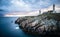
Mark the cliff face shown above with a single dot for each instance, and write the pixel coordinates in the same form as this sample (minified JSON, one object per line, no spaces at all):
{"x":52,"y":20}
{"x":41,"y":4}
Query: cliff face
{"x":41,"y":24}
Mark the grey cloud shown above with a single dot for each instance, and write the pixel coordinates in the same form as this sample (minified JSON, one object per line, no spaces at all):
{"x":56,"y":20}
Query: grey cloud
{"x":5,"y":2}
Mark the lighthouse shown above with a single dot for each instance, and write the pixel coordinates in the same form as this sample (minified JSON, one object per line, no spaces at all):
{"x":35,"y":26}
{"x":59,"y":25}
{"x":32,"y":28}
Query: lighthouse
{"x":39,"y":11}
{"x":53,"y":8}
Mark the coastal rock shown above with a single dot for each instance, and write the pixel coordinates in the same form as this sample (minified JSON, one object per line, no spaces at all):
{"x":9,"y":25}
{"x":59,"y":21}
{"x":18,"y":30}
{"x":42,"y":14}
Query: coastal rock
{"x":41,"y":24}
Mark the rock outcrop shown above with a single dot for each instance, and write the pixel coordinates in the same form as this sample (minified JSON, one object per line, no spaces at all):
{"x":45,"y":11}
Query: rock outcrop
{"x":46,"y":23}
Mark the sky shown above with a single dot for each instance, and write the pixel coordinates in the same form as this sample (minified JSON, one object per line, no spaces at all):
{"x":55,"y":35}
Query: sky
{"x":26,"y":5}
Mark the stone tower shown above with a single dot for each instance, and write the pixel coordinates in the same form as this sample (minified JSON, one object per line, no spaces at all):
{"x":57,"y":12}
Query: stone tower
{"x":39,"y":11}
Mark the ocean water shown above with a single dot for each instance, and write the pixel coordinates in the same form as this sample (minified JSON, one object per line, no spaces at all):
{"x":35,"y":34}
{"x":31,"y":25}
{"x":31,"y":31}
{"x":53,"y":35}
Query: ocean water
{"x":8,"y":28}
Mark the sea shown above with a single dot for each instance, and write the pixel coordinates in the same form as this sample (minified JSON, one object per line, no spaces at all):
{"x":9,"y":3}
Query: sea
{"x":8,"y":28}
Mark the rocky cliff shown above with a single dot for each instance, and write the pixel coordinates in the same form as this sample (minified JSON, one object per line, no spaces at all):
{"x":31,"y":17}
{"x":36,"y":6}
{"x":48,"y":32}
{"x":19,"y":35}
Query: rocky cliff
{"x":46,"y":23}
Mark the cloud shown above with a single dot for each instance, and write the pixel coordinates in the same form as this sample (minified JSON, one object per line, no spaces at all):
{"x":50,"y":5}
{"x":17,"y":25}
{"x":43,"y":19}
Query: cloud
{"x":57,"y":8}
{"x":18,"y":5}
{"x":22,"y":14}
{"x":5,"y":2}
{"x":25,"y":5}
